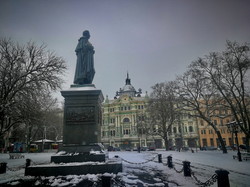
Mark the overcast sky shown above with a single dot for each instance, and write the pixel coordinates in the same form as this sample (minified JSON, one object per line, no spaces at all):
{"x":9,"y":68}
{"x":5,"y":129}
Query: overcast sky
{"x":154,"y":40}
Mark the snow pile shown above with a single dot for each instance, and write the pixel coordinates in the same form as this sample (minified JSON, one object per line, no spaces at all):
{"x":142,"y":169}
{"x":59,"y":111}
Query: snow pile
{"x":92,"y":152}
{"x":152,"y":173}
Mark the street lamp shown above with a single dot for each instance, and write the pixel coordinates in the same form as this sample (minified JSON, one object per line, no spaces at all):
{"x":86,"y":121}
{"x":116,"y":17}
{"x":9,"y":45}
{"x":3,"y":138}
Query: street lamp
{"x":233,"y":127}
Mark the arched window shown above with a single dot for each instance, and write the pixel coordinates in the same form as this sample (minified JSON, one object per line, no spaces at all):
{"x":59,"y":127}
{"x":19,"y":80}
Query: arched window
{"x":126,"y":120}
{"x":190,"y":128}
{"x":175,"y":130}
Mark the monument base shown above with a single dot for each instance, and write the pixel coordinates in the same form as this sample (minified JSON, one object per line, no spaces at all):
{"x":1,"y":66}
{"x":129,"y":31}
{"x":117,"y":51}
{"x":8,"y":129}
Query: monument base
{"x":72,"y":148}
{"x":82,"y":157}
{"x":80,"y":153}
{"x":74,"y":169}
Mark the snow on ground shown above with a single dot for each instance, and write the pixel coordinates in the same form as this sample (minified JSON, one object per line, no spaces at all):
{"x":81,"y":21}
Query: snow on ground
{"x":138,"y":169}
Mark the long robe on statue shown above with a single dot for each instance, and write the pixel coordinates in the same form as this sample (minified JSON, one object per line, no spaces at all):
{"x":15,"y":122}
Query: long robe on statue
{"x":84,"y":73}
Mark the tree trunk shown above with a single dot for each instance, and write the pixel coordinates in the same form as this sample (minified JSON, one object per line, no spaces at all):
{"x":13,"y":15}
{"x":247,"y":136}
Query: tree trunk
{"x":28,"y":138}
{"x":223,"y":146}
{"x":166,"y":144}
{"x":247,"y":143}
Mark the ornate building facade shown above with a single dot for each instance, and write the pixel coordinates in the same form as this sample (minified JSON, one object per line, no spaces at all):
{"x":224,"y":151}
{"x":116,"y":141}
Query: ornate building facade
{"x":123,"y":118}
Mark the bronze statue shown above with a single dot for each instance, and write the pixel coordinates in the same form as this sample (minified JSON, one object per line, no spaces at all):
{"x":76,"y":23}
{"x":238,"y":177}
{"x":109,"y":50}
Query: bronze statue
{"x":84,"y":73}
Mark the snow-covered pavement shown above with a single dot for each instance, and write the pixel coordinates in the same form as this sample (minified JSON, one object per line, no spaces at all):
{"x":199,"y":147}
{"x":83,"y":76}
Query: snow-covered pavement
{"x":138,"y":170}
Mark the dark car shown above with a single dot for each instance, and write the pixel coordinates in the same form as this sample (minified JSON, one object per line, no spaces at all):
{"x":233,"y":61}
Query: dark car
{"x":135,"y":149}
{"x":185,"y":148}
{"x":144,"y":148}
{"x":229,"y":148}
{"x":151,"y":148}
{"x":243,"y":146}
{"x":110,"y":148}
{"x":116,"y":149}
{"x":128,"y":149}
{"x":211,"y":148}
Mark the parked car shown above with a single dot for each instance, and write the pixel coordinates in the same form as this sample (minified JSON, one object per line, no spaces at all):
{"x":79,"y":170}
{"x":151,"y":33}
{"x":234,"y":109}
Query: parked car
{"x":151,"y":148}
{"x":116,"y":149}
{"x":144,"y":148}
{"x":211,"y":148}
{"x":110,"y":148}
{"x":243,"y":146}
{"x":229,"y":148}
{"x":127,"y":149}
{"x":135,"y":149}
{"x":185,"y":148}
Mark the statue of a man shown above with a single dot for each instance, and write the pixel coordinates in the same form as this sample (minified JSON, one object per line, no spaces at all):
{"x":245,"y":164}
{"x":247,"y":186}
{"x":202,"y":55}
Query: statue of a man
{"x":85,"y":71}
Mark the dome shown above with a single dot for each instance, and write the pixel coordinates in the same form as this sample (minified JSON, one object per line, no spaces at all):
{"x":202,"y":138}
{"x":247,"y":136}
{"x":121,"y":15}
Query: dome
{"x":128,"y":88}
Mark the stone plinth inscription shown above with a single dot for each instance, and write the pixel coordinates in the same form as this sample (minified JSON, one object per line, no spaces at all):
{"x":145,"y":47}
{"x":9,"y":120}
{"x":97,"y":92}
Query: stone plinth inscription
{"x":80,"y":114}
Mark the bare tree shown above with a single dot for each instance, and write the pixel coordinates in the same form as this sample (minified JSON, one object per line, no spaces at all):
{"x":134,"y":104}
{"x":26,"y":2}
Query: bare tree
{"x":198,"y":94}
{"x":229,"y":72}
{"x":40,"y":112}
{"x":162,"y":109}
{"x":24,"y":69}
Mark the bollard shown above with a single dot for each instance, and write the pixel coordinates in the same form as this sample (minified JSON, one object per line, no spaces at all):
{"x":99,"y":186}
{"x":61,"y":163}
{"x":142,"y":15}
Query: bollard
{"x":186,"y":168}
{"x":170,"y":163}
{"x":106,"y":181}
{"x":222,"y":179}
{"x":28,"y":161}
{"x":3,"y":166}
{"x":159,"y":158}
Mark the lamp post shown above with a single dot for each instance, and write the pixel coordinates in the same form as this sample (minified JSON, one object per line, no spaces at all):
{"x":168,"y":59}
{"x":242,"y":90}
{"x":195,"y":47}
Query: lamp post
{"x":233,"y":127}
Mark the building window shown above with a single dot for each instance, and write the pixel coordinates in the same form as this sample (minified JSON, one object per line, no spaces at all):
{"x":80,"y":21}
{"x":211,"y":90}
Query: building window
{"x":174,"y":130}
{"x":204,"y":142}
{"x":190,"y":128}
{"x":211,"y":141}
{"x":210,"y":131}
{"x":230,"y":141}
{"x":112,"y":133}
{"x":202,"y":123}
{"x":203,"y":131}
{"x":111,"y":110}
{"x":126,"y":131}
{"x":126,"y":120}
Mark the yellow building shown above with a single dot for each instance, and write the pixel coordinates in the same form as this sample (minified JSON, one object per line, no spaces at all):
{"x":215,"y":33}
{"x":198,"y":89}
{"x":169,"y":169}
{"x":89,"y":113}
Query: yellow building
{"x":208,"y":136}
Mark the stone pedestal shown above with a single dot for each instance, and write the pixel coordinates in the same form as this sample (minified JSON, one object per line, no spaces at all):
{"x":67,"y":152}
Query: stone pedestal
{"x":82,"y":116}
{"x":82,"y":123}
{"x":81,"y":137}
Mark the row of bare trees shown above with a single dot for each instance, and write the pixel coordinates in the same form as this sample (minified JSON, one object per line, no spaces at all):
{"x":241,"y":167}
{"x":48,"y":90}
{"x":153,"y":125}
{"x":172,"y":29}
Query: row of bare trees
{"x":28,"y":76}
{"x":218,"y":81}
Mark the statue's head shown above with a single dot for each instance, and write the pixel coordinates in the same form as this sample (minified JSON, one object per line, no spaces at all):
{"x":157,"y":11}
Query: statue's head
{"x":86,"y":34}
